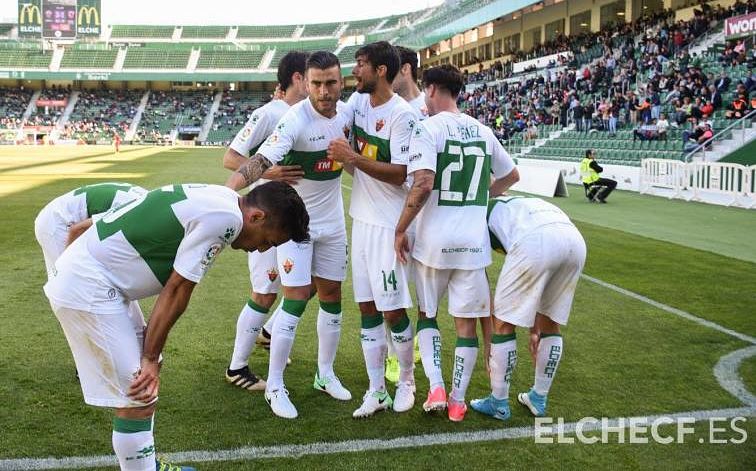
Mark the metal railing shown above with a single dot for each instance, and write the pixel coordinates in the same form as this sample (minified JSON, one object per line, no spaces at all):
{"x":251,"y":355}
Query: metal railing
{"x":718,"y":136}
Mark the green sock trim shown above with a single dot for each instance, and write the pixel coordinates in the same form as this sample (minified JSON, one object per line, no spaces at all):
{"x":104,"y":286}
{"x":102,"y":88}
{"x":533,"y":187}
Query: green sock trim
{"x":427,"y":324}
{"x":295,"y":307}
{"x":331,"y":308}
{"x":256,"y":307}
{"x":372,"y":320}
{"x":543,"y":336}
{"x":400,"y":326}
{"x":467,"y":342}
{"x":497,"y":338}
{"x":122,"y":425}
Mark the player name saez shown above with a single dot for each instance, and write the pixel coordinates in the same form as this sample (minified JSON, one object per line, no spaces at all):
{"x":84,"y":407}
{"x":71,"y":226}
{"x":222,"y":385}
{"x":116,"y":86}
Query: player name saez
{"x":463,"y":132}
{"x":462,"y":250}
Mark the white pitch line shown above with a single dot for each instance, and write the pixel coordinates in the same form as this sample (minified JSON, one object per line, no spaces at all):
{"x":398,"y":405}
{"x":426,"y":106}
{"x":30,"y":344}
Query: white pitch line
{"x":672,"y":310}
{"x":351,"y":446}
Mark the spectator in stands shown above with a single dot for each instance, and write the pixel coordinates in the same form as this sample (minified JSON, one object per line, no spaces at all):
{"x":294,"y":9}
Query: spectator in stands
{"x":662,"y":125}
{"x":723,"y":82}
{"x":577,"y":114}
{"x":597,"y":189}
{"x":647,"y":131}
{"x":644,"y":110}
{"x":696,"y":130}
{"x":738,"y":108}
{"x":703,"y":138}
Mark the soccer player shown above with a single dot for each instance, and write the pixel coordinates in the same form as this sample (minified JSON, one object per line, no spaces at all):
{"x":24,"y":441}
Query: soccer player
{"x":263,"y":271}
{"x":545,"y":256}
{"x":117,"y":142}
{"x":452,"y":157}
{"x":405,"y":82}
{"x":383,"y":124}
{"x":161,"y":243}
{"x":68,"y":211}
{"x":301,"y":138}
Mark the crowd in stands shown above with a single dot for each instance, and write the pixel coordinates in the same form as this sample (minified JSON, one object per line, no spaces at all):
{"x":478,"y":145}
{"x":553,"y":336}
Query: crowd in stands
{"x":99,"y":114}
{"x":13,"y":103}
{"x":645,"y":68}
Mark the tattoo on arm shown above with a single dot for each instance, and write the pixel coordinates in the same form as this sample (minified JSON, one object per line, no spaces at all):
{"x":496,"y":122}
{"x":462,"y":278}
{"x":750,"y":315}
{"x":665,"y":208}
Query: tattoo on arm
{"x":253,"y":169}
{"x":421,"y":189}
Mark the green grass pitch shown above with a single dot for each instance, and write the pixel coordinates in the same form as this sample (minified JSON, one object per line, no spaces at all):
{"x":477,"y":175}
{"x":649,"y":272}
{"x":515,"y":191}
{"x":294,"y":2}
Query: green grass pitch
{"x":623,"y":357}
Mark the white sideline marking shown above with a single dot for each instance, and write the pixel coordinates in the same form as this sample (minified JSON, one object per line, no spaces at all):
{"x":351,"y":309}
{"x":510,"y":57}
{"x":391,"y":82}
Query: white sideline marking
{"x":672,"y":310}
{"x":726,"y":372}
{"x":350,"y":446}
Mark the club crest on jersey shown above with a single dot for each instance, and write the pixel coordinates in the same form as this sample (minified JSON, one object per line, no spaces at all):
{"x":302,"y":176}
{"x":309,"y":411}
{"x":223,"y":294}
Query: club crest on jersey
{"x":273,"y":274}
{"x":288,"y":265}
{"x":379,"y":124}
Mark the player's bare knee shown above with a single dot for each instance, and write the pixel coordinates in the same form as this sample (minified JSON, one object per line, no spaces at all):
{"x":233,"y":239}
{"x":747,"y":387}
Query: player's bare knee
{"x":136,"y":412}
{"x":328,"y":290}
{"x":368,"y":308}
{"x":545,"y":325}
{"x":264,"y":300}
{"x":466,"y":327}
{"x":299,"y":293}
{"x":393,"y":317}
{"x":502,"y":328}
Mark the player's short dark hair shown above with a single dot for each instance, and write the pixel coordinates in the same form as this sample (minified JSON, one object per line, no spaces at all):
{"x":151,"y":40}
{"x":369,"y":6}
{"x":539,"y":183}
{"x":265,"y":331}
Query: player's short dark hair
{"x":291,"y":63}
{"x":588,"y":152}
{"x":285,"y":208}
{"x":382,"y":53}
{"x":408,"y":56}
{"x":444,"y":76}
{"x":323,"y":60}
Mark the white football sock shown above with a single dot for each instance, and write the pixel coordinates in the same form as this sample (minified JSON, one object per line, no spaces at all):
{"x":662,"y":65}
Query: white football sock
{"x":373,"y":340}
{"x":272,"y":318}
{"x":282,"y":339}
{"x":429,"y":339}
{"x":248,"y":326}
{"x":329,"y":332}
{"x":503,"y":361}
{"x":465,"y":355}
{"x":389,"y":345}
{"x":134,"y":444}
{"x":402,"y":341}
{"x":547,"y":361}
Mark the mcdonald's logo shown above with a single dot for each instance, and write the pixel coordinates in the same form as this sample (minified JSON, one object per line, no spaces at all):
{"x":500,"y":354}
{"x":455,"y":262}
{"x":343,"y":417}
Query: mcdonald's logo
{"x":88,"y":12}
{"x":30,"y":10}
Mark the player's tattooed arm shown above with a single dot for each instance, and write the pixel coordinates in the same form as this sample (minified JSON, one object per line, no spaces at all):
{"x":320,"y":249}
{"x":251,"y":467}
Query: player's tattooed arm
{"x":249,"y":173}
{"x":422,"y":186}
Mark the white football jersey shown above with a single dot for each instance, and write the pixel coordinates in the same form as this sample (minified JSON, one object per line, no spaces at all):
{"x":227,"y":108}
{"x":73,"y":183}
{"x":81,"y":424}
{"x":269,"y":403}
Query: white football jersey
{"x":510,"y":218}
{"x":418,"y":104}
{"x":82,"y":203}
{"x":301,"y":138}
{"x":131,"y":251}
{"x":259,"y":126}
{"x":383,"y":134}
{"x":451,"y":229}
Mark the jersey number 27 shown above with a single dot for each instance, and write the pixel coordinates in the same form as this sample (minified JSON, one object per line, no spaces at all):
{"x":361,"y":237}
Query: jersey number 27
{"x":463,"y":174}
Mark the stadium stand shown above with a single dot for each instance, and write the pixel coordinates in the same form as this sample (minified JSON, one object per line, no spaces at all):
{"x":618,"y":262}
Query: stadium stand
{"x":13,"y":103}
{"x":167,"y":110}
{"x":75,"y":58}
{"x":321,"y":29}
{"x":6,"y":28}
{"x":229,"y":59}
{"x":233,"y":113}
{"x":362,"y":27}
{"x":99,"y":114}
{"x":143,"y":58}
{"x":259,"y":32}
{"x":23,"y":54}
{"x":142,"y":31}
{"x":49,"y":116}
{"x":204,"y":32}
{"x":346,"y":55}
{"x":307,"y":46}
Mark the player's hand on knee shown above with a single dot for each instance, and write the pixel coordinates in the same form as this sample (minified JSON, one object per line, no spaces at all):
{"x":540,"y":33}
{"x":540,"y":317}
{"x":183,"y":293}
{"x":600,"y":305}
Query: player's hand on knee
{"x":147,"y":382}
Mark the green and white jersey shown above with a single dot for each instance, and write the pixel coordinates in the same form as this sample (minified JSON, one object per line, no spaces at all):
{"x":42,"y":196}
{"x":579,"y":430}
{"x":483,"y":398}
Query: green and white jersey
{"x":82,"y":203}
{"x":511,"y":218}
{"x":418,"y":104}
{"x":380,"y":133}
{"x":301,"y":138}
{"x":131,"y":251}
{"x":451,"y":229}
{"x":259,"y":126}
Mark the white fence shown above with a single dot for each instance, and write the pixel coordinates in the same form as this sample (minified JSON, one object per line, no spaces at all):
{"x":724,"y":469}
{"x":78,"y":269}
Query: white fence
{"x":731,"y":184}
